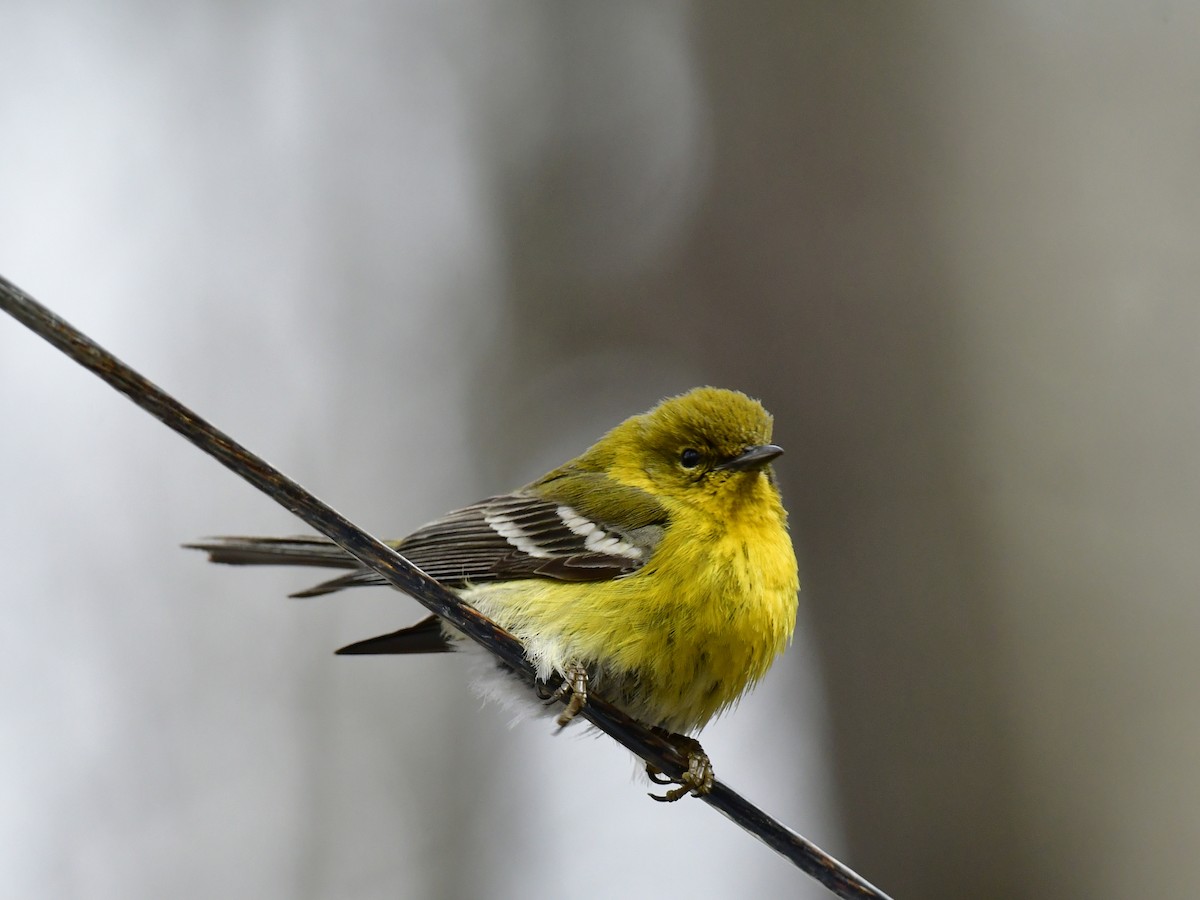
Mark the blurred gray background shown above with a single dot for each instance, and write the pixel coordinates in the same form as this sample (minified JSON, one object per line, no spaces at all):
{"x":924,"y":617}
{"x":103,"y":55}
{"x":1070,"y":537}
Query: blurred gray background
{"x":415,"y":253}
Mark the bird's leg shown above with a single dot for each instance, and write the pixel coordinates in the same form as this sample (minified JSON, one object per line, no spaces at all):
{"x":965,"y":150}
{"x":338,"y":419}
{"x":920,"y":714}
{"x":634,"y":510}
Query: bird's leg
{"x":697,"y":780}
{"x":575,"y":683}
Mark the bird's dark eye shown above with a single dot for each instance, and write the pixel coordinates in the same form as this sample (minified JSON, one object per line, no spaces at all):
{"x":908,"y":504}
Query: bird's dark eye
{"x":689,"y":458}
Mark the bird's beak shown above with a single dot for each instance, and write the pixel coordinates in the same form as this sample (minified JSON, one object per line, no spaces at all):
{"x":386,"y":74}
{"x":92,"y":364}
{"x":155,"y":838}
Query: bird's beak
{"x":751,"y":458}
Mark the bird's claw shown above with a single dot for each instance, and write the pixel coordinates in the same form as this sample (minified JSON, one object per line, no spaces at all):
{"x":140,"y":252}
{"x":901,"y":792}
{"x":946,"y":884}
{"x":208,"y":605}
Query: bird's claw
{"x":575,"y":683}
{"x":697,"y":780}
{"x":655,"y":774}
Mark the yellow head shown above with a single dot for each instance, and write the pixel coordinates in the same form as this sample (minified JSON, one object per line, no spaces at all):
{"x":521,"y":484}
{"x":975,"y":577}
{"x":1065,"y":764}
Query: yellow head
{"x":710,"y":445}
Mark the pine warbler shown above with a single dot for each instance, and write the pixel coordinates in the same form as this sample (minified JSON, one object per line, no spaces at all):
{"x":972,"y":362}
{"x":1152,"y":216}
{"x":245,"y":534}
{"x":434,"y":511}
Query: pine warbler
{"x":655,"y":569}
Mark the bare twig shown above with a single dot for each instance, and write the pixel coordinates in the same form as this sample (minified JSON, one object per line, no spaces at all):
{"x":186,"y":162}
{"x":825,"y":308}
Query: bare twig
{"x":403,"y":575}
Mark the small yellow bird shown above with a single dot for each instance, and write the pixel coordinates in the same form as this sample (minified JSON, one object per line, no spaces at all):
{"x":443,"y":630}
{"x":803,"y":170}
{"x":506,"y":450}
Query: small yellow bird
{"x":654,"y":570}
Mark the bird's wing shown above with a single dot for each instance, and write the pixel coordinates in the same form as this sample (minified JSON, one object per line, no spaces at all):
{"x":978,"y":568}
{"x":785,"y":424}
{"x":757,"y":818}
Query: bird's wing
{"x":583,"y":528}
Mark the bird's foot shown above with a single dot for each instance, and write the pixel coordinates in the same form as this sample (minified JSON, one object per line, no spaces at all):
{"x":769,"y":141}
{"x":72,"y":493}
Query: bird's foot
{"x":575,"y":683}
{"x":697,"y":780}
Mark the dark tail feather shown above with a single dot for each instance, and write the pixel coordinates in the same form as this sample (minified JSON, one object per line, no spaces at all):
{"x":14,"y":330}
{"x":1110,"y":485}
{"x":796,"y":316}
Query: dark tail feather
{"x":260,"y":551}
{"x":424,"y":637}
{"x":294,"y":551}
{"x":354,"y":579}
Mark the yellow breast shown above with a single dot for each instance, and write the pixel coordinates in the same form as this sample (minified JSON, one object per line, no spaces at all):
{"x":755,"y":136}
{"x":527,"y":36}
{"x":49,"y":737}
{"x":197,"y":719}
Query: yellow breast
{"x":681,"y":639}
{"x":733,"y":610}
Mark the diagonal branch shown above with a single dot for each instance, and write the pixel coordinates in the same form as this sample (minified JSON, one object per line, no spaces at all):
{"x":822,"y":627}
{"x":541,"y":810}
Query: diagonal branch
{"x":403,"y":575}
